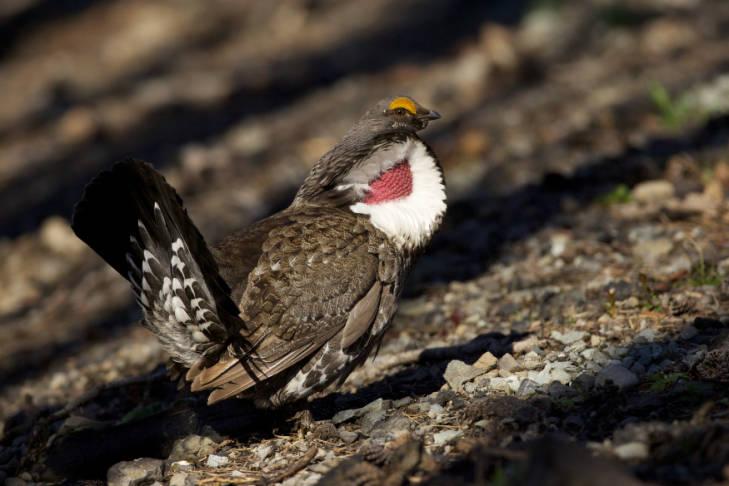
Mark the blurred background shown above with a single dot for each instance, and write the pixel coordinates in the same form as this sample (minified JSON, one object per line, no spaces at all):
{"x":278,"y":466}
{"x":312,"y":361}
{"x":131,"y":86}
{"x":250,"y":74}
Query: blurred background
{"x":235,"y":100}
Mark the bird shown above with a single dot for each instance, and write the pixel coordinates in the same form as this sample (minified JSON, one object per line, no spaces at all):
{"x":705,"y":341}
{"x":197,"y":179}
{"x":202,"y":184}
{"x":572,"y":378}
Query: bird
{"x":282,"y":309}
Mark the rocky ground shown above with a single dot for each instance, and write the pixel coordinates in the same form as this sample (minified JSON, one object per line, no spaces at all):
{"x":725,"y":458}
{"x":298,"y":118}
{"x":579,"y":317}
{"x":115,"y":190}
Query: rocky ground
{"x":569,"y":325}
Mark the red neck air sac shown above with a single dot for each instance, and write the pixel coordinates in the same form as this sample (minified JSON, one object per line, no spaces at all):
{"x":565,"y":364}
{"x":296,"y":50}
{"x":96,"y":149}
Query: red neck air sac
{"x":396,"y":183}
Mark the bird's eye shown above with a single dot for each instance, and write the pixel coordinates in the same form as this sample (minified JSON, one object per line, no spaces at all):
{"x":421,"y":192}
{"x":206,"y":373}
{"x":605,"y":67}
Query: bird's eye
{"x":400,"y":111}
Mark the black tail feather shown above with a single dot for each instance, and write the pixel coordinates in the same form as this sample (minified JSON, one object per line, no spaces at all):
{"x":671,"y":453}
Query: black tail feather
{"x":136,"y":222}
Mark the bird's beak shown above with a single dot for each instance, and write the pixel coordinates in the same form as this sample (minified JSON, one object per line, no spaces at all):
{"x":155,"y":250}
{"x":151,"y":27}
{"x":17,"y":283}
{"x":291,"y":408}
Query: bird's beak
{"x":425,"y":116}
{"x":430,"y":115}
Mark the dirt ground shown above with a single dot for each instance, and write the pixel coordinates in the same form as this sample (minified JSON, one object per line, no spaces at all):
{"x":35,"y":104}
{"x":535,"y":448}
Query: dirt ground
{"x":569,"y":325}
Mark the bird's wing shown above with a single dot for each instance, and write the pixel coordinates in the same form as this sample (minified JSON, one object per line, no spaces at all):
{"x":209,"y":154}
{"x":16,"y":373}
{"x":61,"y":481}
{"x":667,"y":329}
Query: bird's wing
{"x":237,"y":254}
{"x":316,"y":279}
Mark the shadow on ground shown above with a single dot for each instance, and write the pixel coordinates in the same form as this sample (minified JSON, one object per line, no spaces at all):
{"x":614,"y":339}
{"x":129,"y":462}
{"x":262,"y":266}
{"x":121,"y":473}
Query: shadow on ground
{"x":669,"y":411}
{"x":418,"y":35}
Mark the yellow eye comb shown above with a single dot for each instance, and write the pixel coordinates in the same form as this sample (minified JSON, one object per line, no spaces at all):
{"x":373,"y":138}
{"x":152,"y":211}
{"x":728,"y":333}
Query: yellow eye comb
{"x":403,"y":102}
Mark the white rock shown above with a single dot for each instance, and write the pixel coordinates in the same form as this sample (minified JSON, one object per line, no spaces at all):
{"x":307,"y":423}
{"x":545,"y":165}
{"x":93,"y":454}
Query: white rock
{"x":651,"y":251}
{"x":508,"y":363}
{"x":487,"y":361}
{"x":347,"y":436}
{"x":435,"y":410}
{"x":531,"y":360}
{"x":500,"y":385}
{"x":133,"y":472}
{"x":216,"y":461}
{"x":263,"y":451}
{"x":457,"y":372}
{"x":525,"y":345}
{"x":656,"y":191}
{"x":446,"y":436}
{"x":632,"y":451}
{"x":553,"y":372}
{"x":514,"y":383}
{"x":377,"y":405}
{"x":560,"y":375}
{"x":568,"y":337}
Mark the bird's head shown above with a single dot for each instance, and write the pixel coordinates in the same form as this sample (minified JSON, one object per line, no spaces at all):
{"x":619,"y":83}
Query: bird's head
{"x":400,"y":113}
{"x":381,"y":168}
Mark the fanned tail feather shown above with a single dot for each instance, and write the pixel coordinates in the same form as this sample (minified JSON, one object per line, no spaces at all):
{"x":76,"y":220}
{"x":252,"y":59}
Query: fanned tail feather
{"x":134,"y":220}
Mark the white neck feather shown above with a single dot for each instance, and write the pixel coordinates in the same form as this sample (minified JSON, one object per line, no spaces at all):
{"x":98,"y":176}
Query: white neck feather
{"x":410,"y":222}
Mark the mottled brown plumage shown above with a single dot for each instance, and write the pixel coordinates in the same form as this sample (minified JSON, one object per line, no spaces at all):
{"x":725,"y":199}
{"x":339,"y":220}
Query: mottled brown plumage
{"x":282,"y":309}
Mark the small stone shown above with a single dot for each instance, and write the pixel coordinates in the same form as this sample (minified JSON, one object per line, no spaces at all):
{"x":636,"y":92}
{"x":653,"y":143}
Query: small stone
{"x":487,"y":361}
{"x":594,"y":355}
{"x":556,"y":389}
{"x":192,"y":447}
{"x":216,"y":461}
{"x":345,"y":415}
{"x":514,"y":382}
{"x":370,"y":419}
{"x":631,"y":302}
{"x":499,"y":385}
{"x":527,"y":388}
{"x":560,"y":376}
{"x":180,"y":466}
{"x":403,"y":402}
{"x":638,"y":369}
{"x":631,"y":451}
{"x":651,"y":251}
{"x":584,"y":382}
{"x":435,"y":410}
{"x":568,"y":337}
{"x":180,"y":479}
{"x":57,"y":236}
{"x":128,"y":473}
{"x":695,"y":357}
{"x":263,"y":451}
{"x":525,"y":345}
{"x":618,"y":375}
{"x":78,"y":124}
{"x":446,"y":436}
{"x":376,"y":406}
{"x":653,"y":192}
{"x":457,"y":372}
{"x":645,"y":336}
{"x":688,"y":332}
{"x":507,"y":363}
{"x":347,"y":436}
{"x":722,"y":268}
{"x":531,"y":361}
{"x":555,"y":371}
